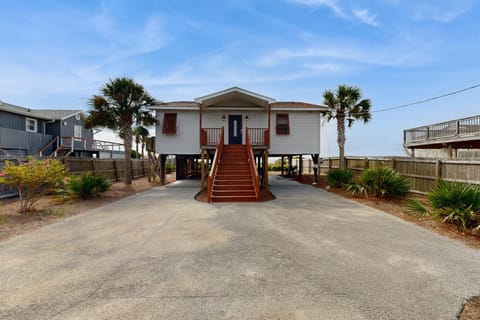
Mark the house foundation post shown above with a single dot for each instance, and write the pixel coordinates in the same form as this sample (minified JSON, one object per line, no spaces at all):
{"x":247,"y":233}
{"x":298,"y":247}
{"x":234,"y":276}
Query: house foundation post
{"x":315,"y":168}
{"x":163,"y":160}
{"x":265,"y":169}
{"x":290,"y":171}
{"x":281,"y":165}
{"x":202,"y":170}
{"x":300,"y":166}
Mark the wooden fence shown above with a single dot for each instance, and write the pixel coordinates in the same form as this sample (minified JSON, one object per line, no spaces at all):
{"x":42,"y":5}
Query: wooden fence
{"x":112,"y":169}
{"x":422,"y":172}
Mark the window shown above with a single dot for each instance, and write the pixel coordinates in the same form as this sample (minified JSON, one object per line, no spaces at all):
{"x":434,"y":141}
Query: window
{"x":169,"y":123}
{"x":283,"y":126}
{"x":31,"y":125}
{"x":77,"y":131}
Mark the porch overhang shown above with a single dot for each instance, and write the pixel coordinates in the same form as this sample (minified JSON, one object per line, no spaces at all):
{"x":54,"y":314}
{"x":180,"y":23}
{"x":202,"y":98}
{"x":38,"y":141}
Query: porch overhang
{"x":234,"y":98}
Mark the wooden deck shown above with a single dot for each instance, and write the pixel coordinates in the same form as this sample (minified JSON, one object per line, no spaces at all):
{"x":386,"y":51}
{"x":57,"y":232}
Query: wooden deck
{"x":460,"y":133}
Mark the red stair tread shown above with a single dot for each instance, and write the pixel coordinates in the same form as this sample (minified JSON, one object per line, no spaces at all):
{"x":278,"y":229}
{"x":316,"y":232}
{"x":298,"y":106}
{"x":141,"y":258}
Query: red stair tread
{"x":233,"y":181}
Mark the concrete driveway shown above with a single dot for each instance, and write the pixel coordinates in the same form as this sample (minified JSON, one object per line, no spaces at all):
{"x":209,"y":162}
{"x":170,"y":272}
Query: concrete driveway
{"x":307,"y":255}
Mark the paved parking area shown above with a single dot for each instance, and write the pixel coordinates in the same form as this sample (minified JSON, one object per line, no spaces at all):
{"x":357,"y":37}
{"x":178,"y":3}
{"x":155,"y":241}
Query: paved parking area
{"x":308,"y":254}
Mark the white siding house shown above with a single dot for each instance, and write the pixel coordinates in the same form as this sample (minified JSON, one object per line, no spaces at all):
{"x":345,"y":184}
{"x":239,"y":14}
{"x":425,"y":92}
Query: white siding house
{"x":184,"y":139}
{"x":303,"y":137}
{"x":191,"y":130}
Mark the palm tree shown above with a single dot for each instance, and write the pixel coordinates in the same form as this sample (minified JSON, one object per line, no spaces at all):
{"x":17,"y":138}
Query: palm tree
{"x":345,"y":104}
{"x":122,"y":104}
{"x":141,"y":134}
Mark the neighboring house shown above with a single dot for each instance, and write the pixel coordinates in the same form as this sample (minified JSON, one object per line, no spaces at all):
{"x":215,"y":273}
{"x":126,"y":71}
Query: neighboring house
{"x":254,"y":127}
{"x":26,"y":131}
{"x":451,"y":139}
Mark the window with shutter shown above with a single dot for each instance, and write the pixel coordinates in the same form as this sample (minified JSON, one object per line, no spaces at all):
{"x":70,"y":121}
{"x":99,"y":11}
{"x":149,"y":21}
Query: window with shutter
{"x":283,"y":126}
{"x":169,"y":123}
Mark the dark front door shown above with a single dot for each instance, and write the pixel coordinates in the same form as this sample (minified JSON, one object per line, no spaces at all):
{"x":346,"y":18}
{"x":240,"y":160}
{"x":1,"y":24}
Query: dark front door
{"x":234,"y":129}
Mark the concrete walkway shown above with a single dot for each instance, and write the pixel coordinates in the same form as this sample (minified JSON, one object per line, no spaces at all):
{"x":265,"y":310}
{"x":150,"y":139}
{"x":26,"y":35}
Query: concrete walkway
{"x":308,"y":254}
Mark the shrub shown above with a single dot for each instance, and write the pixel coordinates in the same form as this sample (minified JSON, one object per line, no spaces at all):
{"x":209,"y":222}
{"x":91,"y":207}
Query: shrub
{"x":380,"y":182}
{"x":33,"y":179}
{"x":277,"y":167}
{"x":169,"y":167}
{"x":451,"y":202}
{"x":88,"y":185}
{"x":339,"y":177}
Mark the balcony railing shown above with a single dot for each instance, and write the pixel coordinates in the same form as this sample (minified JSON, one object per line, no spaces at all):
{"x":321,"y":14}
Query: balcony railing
{"x":259,"y":136}
{"x":210,"y":136}
{"x":454,"y":128}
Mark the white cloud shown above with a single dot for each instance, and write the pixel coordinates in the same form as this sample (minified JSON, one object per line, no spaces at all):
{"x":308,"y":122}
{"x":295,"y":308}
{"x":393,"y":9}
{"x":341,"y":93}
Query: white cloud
{"x":331,"y":4}
{"x":443,"y":11}
{"x":362,"y":15}
{"x":366,"y":17}
{"x":402,"y":53}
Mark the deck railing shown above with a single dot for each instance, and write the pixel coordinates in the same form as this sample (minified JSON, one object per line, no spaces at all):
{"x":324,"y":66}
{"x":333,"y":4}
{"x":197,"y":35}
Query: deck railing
{"x":258,"y":136}
{"x":253,"y":170}
{"x":216,"y":160}
{"x":460,"y":127}
{"x":210,"y":136}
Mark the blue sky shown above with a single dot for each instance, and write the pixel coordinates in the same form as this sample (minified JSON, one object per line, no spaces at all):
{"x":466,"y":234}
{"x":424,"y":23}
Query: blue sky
{"x":56,"y":54}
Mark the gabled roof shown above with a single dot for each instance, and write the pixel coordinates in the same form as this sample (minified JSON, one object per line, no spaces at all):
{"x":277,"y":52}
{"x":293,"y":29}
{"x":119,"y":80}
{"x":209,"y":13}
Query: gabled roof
{"x":44,"y":114}
{"x":235,"y":98}
{"x":234,"y":94}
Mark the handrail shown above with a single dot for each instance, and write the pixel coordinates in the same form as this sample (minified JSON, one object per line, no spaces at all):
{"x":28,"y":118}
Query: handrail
{"x":40,"y":152}
{"x":251,"y":164}
{"x":63,"y":142}
{"x":216,"y":161}
{"x":267,"y":137}
{"x":203,"y":137}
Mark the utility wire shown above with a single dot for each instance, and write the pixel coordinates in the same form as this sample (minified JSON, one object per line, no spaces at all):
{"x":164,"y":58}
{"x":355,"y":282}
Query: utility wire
{"x":429,"y":99}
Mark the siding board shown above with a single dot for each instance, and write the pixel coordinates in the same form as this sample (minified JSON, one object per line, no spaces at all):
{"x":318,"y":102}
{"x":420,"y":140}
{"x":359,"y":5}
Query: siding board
{"x":304,"y":137}
{"x":18,"y":122}
{"x":186,"y":140}
{"x":31,"y":142}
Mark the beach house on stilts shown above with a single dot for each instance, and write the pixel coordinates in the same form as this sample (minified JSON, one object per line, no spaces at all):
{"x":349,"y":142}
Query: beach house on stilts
{"x":227,"y":137}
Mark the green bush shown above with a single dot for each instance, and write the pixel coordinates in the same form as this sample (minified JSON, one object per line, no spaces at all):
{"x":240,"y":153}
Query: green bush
{"x":88,"y":185}
{"x":277,"y":167}
{"x":451,"y":202}
{"x":380,"y":182}
{"x":169,"y":167}
{"x":33,"y":179}
{"x":337,"y":178}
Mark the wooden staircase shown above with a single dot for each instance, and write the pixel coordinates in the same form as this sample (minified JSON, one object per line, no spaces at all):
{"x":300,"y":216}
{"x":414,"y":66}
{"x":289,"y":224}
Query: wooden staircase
{"x":234,"y":181}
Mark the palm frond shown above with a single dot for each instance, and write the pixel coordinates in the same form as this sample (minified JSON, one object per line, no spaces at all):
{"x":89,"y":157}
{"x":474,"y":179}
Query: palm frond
{"x":416,"y":208}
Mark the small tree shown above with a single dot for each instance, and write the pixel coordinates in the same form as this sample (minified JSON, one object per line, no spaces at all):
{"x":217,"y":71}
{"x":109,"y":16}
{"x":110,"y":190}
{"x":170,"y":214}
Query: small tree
{"x":345,"y":104}
{"x":141,"y":135}
{"x":33,"y":179}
